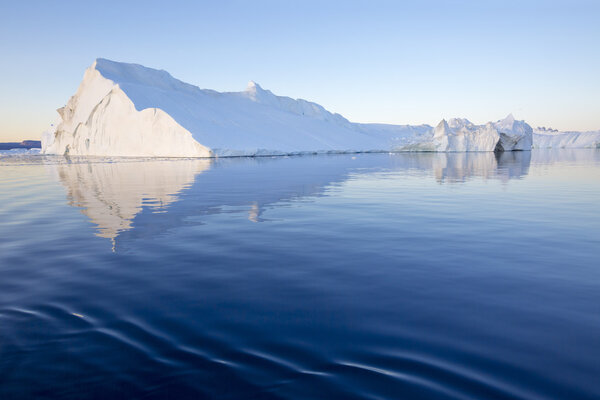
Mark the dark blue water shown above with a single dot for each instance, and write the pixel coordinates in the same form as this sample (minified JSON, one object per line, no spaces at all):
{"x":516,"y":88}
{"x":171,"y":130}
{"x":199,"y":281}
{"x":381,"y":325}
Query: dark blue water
{"x":368,"y":276}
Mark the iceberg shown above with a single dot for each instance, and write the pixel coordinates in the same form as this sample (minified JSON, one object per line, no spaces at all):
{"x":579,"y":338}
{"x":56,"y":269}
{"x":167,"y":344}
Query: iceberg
{"x":129,"y":110}
{"x":552,"y":139}
{"x":461,"y":135}
{"x":12,"y":152}
{"x":123,"y":109}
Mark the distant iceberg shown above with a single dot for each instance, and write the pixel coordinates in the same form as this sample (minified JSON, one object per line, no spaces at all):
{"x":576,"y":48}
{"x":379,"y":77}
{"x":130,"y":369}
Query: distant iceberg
{"x":13,"y":152}
{"x":552,"y":139}
{"x":125,"y":109}
{"x":460,"y":134}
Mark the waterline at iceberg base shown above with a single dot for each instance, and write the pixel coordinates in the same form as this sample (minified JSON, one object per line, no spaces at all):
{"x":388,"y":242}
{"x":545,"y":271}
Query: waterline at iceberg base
{"x":123,"y":109}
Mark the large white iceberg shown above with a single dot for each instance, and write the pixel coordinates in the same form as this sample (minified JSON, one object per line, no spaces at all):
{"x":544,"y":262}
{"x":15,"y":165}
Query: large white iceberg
{"x":125,"y":109}
{"x":130,"y":110}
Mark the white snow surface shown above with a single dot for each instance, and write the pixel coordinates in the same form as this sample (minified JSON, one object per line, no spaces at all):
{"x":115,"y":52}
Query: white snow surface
{"x":123,"y":109}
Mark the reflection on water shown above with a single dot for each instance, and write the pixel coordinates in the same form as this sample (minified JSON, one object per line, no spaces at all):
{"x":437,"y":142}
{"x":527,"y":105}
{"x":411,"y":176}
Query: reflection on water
{"x":112,"y":194}
{"x":460,"y":167}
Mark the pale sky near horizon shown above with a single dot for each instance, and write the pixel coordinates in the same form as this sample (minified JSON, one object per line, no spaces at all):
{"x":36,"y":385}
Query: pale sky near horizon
{"x":371,"y":61}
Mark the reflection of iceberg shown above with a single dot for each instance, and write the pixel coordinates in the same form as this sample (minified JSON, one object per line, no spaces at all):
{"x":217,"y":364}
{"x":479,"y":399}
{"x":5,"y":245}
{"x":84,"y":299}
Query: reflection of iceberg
{"x":111,"y":194}
{"x":513,"y":165}
{"x":122,"y":198}
{"x":461,"y":167}
{"x":254,"y":213}
{"x":458,"y":167}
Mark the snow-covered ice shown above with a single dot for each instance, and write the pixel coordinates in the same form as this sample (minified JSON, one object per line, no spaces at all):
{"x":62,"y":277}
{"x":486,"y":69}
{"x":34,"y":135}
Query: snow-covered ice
{"x":549,"y":139}
{"x":125,"y":109}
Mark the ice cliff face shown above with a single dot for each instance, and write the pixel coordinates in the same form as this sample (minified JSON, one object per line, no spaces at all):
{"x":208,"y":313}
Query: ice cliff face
{"x":102,"y":119}
{"x":551,"y":139}
{"x":462,"y":135}
{"x":129,"y":110}
{"x":514,"y":135}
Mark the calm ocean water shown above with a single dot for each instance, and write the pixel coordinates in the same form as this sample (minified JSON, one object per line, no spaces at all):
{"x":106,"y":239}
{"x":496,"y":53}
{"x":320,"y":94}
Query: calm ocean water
{"x":366,"y":276}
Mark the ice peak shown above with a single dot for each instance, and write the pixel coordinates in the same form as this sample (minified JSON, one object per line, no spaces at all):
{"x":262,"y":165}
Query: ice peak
{"x":506,"y":124}
{"x":509,"y":120}
{"x":442,"y":128}
{"x":255,"y":92}
{"x":253,"y":87}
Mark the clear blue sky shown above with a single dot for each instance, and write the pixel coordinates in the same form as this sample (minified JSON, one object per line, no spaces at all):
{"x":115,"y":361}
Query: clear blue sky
{"x":372,"y":61}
